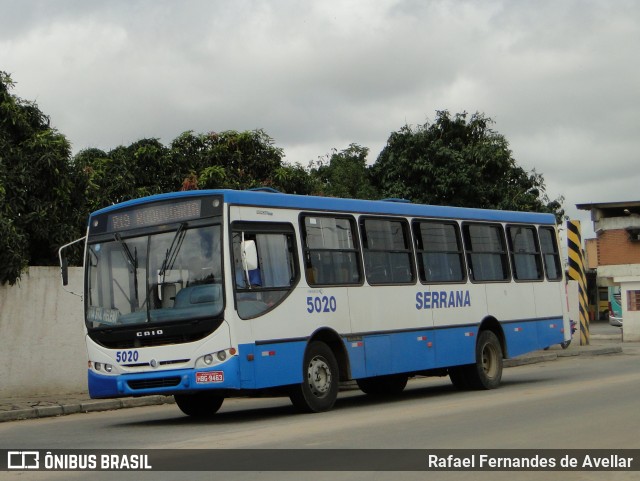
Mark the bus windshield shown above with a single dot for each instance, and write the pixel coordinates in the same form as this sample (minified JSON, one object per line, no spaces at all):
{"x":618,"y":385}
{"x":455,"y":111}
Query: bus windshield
{"x":155,"y":278}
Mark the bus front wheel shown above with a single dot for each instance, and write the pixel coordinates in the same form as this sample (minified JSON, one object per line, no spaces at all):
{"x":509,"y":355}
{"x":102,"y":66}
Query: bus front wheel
{"x":201,"y":405}
{"x":319,"y":389}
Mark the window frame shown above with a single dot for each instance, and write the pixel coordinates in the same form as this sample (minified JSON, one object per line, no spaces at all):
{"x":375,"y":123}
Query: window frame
{"x":255,"y":228}
{"x":420,"y":249}
{"x":504,"y":253}
{"x":537,"y":253}
{"x":408,"y":242}
{"x":555,"y":253}
{"x":306,"y":251}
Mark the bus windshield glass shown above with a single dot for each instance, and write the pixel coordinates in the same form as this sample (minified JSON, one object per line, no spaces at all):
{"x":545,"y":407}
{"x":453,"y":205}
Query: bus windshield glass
{"x":163,"y":277}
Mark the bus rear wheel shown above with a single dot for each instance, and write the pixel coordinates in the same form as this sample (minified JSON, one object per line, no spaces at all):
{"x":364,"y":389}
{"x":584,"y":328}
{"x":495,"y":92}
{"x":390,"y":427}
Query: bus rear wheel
{"x":383,"y":385}
{"x":319,"y":389}
{"x":200,"y":405}
{"x":486,"y":373}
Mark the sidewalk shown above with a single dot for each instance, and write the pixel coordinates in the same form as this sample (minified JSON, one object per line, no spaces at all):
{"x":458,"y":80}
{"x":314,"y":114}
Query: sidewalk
{"x":12,"y":409}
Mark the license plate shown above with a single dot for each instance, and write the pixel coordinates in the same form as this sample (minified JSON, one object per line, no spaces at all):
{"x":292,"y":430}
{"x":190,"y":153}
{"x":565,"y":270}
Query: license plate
{"x":209,"y":377}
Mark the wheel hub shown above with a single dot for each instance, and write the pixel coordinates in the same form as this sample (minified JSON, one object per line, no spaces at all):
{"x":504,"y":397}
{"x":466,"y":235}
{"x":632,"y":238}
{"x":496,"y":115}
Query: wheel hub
{"x":319,"y":376}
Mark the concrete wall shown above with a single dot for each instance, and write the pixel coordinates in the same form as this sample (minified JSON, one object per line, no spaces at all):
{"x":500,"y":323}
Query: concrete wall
{"x":630,"y":318}
{"x":42,"y":347}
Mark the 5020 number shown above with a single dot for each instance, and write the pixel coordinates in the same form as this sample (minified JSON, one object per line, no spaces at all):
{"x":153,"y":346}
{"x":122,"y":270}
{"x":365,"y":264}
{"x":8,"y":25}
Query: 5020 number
{"x":321,"y":304}
{"x":126,"y":356}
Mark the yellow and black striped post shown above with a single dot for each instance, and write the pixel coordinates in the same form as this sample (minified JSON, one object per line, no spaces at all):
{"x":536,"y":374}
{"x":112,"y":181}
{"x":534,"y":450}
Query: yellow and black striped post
{"x":576,"y":273}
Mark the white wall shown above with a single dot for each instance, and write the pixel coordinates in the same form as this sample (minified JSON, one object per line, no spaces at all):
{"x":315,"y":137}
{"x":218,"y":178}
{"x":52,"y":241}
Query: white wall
{"x":630,"y":319}
{"x":42,"y":347}
{"x":573,"y":301}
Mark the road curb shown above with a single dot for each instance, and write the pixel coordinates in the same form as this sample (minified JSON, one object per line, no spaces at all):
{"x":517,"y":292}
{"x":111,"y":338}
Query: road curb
{"x":530,"y":359}
{"x":552,"y":356}
{"x":86,"y":406}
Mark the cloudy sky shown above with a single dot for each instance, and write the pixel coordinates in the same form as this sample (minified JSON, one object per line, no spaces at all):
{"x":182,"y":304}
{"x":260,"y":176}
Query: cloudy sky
{"x":560,"y":78}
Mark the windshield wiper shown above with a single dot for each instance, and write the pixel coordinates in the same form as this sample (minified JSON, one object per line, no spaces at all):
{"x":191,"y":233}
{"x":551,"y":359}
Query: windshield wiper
{"x":132,"y":261}
{"x":172,"y":251}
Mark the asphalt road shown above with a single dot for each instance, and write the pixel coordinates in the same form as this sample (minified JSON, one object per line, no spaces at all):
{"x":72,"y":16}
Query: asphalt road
{"x":576,"y":402}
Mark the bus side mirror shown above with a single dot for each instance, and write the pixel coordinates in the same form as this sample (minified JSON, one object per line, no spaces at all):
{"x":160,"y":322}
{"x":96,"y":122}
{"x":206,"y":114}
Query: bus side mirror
{"x":64,"y":263}
{"x":64,"y":271}
{"x":249,"y":255}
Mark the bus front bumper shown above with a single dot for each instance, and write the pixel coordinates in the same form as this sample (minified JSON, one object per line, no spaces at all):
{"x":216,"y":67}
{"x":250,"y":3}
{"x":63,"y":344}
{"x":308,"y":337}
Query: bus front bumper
{"x":223,"y":376}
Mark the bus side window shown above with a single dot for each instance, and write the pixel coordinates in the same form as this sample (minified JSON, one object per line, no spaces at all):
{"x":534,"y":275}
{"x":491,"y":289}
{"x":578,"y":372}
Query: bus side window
{"x":440,"y":253}
{"x":486,"y":252}
{"x":550,"y":254}
{"x":525,"y":253}
{"x":331,"y":254}
{"x":261,"y":287}
{"x":388,"y":257}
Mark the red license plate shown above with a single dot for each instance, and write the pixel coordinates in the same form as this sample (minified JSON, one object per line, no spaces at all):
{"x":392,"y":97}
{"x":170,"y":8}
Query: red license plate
{"x":209,"y":377}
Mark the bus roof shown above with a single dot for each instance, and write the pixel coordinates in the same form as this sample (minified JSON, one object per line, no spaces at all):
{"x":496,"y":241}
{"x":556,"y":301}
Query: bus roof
{"x":334,"y":204}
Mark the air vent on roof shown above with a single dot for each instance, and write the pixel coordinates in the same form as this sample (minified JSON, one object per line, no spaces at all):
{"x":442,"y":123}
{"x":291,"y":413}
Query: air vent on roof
{"x":396,"y":199}
{"x":265,"y":189}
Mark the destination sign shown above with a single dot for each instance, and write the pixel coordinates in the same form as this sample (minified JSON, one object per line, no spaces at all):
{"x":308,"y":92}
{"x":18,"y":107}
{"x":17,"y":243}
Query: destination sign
{"x":155,"y":215}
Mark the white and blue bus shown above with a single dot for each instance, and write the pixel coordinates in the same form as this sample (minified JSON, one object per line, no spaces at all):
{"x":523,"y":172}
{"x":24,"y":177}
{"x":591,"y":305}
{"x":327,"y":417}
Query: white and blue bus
{"x":217,"y":293}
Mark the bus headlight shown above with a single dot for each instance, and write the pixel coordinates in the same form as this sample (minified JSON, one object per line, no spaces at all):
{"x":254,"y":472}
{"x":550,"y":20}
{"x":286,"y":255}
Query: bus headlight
{"x":99,"y":366}
{"x":215,"y":357}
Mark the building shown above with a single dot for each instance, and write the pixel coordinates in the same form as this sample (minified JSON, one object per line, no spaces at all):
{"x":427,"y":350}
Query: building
{"x":617,"y":227}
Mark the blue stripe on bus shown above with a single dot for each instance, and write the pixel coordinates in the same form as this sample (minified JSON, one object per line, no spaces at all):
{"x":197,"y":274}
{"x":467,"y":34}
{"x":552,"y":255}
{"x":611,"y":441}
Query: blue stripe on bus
{"x":270,"y":365}
{"x":280,"y":363}
{"x":304,"y":202}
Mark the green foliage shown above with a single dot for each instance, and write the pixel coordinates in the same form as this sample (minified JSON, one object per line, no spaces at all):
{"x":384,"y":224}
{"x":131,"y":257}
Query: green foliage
{"x":345,"y":174}
{"x":293,"y":179}
{"x":230,"y":159}
{"x":234,"y":160}
{"x":459,"y":161}
{"x":38,"y":210}
{"x":143,"y":168}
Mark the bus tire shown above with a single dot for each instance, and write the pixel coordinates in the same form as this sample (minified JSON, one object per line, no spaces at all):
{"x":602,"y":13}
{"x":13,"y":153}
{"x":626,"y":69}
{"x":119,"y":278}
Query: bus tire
{"x":486,"y":373}
{"x":200,"y":405}
{"x":319,"y":389}
{"x":383,"y":385}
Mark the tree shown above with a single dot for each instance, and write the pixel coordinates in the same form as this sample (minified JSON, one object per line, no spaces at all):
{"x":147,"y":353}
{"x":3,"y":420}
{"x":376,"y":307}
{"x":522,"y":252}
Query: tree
{"x":39,"y":205}
{"x":459,"y":161}
{"x":293,"y":179}
{"x":237,"y":160}
{"x":345,"y":174}
{"x":229,"y":159}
